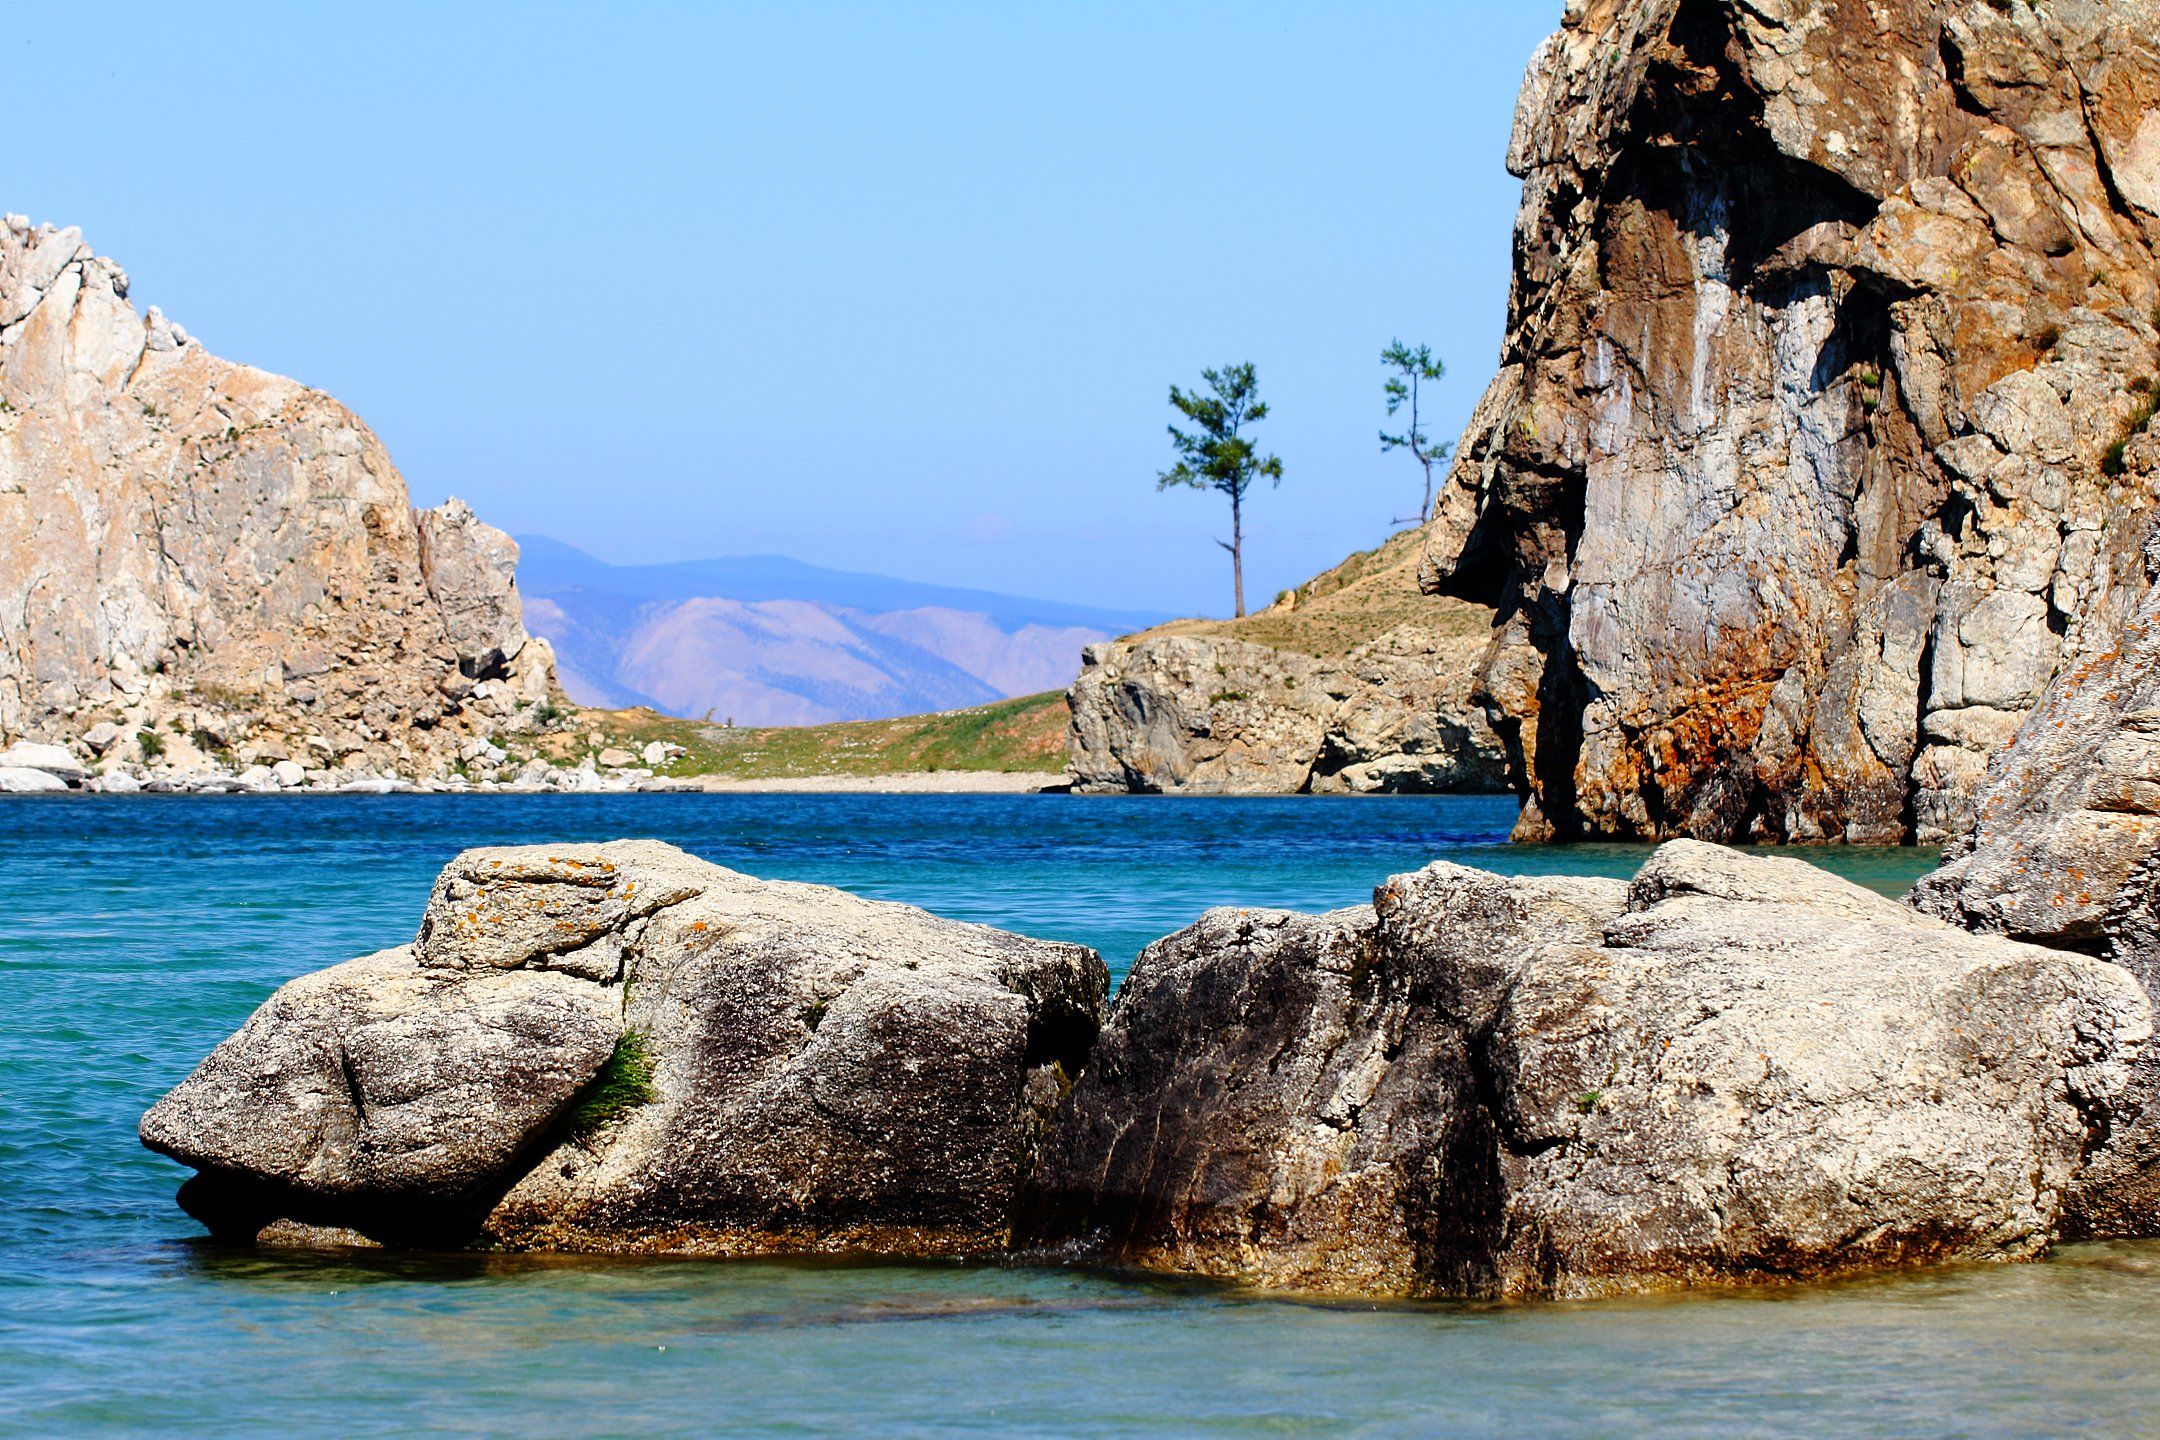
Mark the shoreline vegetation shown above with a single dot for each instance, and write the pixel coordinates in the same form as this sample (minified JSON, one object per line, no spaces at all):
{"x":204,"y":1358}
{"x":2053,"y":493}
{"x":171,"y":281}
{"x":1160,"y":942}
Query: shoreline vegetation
{"x":1010,"y":746}
{"x":1025,"y":735}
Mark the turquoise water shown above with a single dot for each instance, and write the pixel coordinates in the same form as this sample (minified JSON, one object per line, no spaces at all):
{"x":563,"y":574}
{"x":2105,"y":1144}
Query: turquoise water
{"x":135,"y":933}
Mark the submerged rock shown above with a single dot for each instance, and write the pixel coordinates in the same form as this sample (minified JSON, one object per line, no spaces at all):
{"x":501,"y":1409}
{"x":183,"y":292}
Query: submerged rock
{"x":1736,"y":1069}
{"x":621,"y":1047}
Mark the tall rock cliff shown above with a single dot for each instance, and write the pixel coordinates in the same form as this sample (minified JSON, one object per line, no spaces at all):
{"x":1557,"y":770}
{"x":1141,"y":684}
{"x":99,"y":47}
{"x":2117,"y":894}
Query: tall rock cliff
{"x":1802,"y":470}
{"x":224,"y":560}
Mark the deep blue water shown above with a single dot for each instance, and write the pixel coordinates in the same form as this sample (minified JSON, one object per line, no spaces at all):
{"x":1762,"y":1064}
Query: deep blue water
{"x":135,"y":933}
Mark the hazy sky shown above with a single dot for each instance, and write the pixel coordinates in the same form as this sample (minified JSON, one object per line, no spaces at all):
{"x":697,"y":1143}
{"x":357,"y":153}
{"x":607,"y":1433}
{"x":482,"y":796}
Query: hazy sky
{"x":886,"y":287}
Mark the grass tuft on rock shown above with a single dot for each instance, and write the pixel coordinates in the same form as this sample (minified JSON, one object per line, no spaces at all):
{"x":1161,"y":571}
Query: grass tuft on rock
{"x":625,"y":1082}
{"x":2113,"y":463}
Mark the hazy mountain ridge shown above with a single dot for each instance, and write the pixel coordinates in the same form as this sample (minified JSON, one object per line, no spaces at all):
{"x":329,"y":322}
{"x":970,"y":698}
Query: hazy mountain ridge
{"x":764,"y":640}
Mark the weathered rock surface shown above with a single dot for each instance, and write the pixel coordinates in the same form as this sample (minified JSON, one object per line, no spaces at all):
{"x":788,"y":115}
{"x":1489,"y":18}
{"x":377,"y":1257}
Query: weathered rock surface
{"x":2067,"y":826}
{"x":1800,"y":474}
{"x":22,"y":780}
{"x":382,"y":1092}
{"x":1352,"y":684}
{"x":2065,"y":850}
{"x":1196,"y":714}
{"x":222,"y":558}
{"x":791,"y":1068}
{"x":1736,"y":1069}
{"x":55,"y":760}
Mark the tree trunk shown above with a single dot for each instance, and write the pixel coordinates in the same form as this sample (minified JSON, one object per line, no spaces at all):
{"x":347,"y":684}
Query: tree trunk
{"x":1237,"y":554}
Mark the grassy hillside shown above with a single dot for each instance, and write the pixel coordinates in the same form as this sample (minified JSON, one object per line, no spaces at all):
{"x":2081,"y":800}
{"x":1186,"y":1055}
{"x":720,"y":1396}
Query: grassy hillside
{"x":1338,"y":610}
{"x":1027,"y":735}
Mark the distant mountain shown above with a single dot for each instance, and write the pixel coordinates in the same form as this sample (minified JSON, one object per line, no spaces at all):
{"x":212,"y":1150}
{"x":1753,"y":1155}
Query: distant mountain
{"x":764,"y":640}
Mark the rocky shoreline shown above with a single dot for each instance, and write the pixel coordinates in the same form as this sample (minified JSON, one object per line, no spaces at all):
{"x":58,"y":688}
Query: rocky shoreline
{"x":1733,"y":1069}
{"x":32,"y":768}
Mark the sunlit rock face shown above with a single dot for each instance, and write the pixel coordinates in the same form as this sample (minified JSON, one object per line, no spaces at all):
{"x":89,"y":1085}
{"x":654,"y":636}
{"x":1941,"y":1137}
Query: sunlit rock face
{"x":1799,"y":478}
{"x":1735,"y":1069}
{"x":623,"y":1048}
{"x":1190,"y":714}
{"x":221,"y":555}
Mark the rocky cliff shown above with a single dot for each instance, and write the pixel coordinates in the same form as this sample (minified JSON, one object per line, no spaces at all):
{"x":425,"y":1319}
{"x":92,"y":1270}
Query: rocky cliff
{"x":1352,"y":683}
{"x":201,"y":562}
{"x":1804,"y":466}
{"x":2065,"y":842}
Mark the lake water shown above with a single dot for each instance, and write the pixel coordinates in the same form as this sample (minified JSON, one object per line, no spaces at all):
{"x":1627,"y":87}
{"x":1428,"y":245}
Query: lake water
{"x":135,"y":933}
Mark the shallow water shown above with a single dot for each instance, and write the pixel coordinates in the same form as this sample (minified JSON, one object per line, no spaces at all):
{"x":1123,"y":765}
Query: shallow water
{"x":135,"y":933}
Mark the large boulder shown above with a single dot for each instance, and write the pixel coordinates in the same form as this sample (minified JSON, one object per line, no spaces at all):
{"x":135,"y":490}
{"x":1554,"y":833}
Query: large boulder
{"x":620,"y":1047}
{"x":55,"y":760}
{"x":1736,"y":1069}
{"x":381,"y":1095}
{"x":22,"y":780}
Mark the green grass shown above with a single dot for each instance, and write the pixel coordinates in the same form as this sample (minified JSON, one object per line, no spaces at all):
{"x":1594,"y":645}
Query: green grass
{"x":1359,"y":600}
{"x":2112,"y":462}
{"x":623,"y":1084}
{"x":1026,"y":735}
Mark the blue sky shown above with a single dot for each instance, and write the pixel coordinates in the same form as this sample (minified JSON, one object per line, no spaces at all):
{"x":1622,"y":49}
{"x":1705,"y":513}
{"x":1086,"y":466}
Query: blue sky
{"x":882,"y":287}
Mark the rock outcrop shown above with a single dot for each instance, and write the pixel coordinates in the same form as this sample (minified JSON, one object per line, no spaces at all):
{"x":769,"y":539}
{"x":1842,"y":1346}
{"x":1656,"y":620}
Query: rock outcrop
{"x":2065,"y":845}
{"x":1195,"y":714}
{"x":222,"y":560}
{"x":1349,"y":685}
{"x":623,"y":1048}
{"x":1804,"y":467}
{"x":1734,"y":1069}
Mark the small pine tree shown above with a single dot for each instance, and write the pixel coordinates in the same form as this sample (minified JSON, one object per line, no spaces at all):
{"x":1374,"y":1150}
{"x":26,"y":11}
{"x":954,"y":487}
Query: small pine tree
{"x":1216,"y":455}
{"x":1413,"y":368}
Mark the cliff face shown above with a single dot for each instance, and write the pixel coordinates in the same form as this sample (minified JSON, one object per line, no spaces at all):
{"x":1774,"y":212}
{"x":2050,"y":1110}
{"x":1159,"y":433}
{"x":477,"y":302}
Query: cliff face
{"x":1800,"y":474}
{"x":2065,"y":845}
{"x":222,"y":557}
{"x":1352,"y":684}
